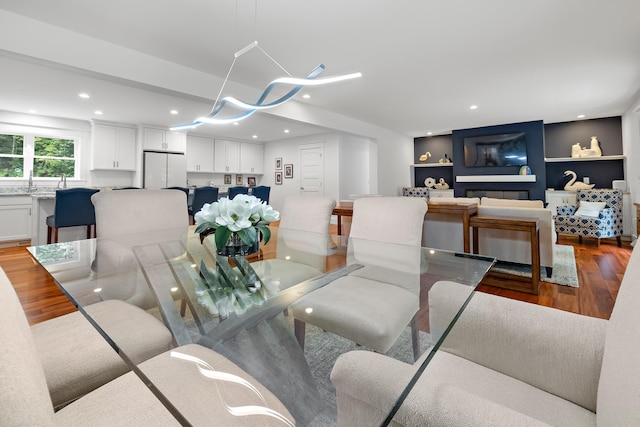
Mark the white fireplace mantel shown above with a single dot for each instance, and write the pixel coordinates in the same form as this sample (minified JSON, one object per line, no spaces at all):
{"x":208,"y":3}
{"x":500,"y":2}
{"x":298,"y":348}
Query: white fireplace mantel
{"x":496,"y":178}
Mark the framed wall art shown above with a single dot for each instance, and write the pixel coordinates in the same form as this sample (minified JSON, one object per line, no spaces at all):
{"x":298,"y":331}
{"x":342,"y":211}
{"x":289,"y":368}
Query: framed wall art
{"x":227,"y":179}
{"x":278,"y":178}
{"x":278,"y":163}
{"x":288,"y":170}
{"x":251,"y":181}
{"x":238,"y":179}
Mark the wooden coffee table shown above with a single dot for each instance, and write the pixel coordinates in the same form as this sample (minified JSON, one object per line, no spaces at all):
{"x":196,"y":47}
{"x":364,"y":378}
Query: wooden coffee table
{"x":530,"y":225}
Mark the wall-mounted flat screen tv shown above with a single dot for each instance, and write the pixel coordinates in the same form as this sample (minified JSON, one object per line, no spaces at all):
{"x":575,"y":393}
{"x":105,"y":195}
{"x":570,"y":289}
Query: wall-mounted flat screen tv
{"x":508,"y":149}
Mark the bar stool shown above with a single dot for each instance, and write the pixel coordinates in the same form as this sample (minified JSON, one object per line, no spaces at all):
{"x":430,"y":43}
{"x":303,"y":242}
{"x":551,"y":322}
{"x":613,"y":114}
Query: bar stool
{"x":234,"y":191}
{"x":202,"y":195}
{"x":73,"y":208}
{"x":262,"y":192}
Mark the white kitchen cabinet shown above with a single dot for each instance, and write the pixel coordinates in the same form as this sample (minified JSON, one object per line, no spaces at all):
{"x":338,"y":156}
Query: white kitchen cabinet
{"x":251,"y":158}
{"x":155,"y":139}
{"x":227,"y":156}
{"x":200,"y":154}
{"x":15,"y":218}
{"x":114,"y":147}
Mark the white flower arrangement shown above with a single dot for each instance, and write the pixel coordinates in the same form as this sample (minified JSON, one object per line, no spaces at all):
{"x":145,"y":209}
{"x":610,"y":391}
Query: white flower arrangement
{"x":243,"y":215}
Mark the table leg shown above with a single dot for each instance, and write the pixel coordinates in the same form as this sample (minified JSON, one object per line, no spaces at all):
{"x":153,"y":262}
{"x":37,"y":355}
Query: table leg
{"x":535,"y":260}
{"x":465,"y":233}
{"x":339,"y":225}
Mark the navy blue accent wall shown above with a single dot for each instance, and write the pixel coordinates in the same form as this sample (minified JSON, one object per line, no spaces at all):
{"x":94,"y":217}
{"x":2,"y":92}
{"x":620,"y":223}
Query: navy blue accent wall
{"x":534,"y":134}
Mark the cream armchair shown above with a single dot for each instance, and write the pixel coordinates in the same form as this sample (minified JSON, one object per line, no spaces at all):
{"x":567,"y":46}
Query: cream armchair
{"x":507,"y":363}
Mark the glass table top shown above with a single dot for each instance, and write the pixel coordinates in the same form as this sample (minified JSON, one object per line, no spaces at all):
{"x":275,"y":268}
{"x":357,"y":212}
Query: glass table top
{"x":239,"y":306}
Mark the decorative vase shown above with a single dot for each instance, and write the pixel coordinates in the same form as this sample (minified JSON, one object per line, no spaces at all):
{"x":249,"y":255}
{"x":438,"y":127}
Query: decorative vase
{"x":235,"y":246}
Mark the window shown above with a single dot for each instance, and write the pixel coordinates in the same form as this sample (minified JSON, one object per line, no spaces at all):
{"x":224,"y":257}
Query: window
{"x":53,"y":157}
{"x":47,"y":157}
{"x":11,"y":156}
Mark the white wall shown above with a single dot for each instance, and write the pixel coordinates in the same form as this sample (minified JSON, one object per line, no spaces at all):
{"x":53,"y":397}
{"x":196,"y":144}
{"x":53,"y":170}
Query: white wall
{"x":631,"y":150}
{"x":355,"y":166}
{"x":288,"y":150}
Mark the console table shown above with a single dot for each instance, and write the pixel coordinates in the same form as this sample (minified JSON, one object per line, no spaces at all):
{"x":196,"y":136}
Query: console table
{"x":464,"y":210}
{"x":529,"y":225}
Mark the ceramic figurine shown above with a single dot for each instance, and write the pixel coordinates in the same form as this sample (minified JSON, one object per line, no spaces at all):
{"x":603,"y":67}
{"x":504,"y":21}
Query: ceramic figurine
{"x":574,"y":185}
{"x":441,"y":185}
{"x":425,"y":156}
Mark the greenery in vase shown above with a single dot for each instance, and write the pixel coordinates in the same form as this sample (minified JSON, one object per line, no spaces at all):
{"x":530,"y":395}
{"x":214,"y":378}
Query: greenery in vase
{"x":244,"y":215}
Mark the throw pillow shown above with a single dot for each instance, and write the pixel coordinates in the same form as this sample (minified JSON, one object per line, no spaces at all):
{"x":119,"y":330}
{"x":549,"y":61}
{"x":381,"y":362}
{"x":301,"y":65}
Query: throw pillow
{"x":590,"y":209}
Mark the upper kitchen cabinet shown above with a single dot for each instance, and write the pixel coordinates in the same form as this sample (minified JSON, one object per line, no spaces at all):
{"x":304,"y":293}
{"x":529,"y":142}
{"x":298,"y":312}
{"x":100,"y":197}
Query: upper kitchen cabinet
{"x":227,"y":156}
{"x":113,"y":147}
{"x":163,"y":140}
{"x":251,"y":158}
{"x":199,"y":154}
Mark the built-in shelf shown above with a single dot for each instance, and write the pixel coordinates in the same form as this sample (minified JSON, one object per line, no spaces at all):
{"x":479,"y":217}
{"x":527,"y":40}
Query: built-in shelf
{"x":496,"y":178}
{"x":581,"y":159}
{"x":431,"y":165}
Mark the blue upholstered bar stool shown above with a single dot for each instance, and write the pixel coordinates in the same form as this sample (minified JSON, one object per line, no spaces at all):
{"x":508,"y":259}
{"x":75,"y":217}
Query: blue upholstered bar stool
{"x":234,"y":191}
{"x":202,"y":195}
{"x":73,"y":208}
{"x":262,"y":192}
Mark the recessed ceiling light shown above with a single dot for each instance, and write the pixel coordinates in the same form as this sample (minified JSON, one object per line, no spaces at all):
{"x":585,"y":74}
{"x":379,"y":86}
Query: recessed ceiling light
{"x":306,"y":96}
{"x":429,"y":133}
{"x":84,"y":95}
{"x":174,"y":112}
{"x":581,"y":116}
{"x":286,"y":131}
{"x":473,"y":107}
{"x":254,"y":136}
{"x":98,"y":112}
{"x":236,"y":123}
{"x":32,"y":111}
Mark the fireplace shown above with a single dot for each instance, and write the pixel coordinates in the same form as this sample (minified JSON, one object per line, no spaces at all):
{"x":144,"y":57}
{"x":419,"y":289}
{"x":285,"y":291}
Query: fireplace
{"x":499,"y":194}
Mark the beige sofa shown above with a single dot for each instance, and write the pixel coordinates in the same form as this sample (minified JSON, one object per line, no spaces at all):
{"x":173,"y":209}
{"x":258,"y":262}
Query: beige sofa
{"x":507,"y":363}
{"x":445,"y":232}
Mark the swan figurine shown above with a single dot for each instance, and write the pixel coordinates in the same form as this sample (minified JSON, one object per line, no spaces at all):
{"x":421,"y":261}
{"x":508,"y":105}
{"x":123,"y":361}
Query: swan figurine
{"x":574,"y":185}
{"x":425,"y":156}
{"x":441,"y":185}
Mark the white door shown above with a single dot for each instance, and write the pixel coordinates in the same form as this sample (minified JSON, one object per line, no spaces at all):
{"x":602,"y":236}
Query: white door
{"x":312,"y":170}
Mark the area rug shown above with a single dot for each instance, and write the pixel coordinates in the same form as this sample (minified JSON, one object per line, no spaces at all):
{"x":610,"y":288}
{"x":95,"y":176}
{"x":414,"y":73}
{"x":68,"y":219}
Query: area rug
{"x":322,"y":349}
{"x":564,"y":268}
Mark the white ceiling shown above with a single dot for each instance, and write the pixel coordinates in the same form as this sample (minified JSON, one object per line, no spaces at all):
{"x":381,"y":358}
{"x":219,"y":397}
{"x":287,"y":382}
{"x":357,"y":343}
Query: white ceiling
{"x":424,"y":63}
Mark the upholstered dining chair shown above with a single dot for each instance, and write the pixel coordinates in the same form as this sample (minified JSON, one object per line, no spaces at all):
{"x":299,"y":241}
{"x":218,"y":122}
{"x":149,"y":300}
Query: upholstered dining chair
{"x":374,"y":304}
{"x":262,"y":192}
{"x":598,"y":214}
{"x":202,"y":195}
{"x":302,"y":243}
{"x":135,"y":218}
{"x":234,"y":191}
{"x":73,"y":208}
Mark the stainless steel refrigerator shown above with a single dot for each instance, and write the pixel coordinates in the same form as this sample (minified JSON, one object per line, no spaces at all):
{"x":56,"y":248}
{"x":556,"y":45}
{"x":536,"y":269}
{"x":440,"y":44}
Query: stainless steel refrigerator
{"x":164,"y":170}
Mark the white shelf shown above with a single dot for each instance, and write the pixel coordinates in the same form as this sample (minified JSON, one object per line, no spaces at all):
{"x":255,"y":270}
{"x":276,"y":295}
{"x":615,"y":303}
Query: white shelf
{"x":431,"y":165}
{"x":581,"y":159}
{"x":496,"y":178}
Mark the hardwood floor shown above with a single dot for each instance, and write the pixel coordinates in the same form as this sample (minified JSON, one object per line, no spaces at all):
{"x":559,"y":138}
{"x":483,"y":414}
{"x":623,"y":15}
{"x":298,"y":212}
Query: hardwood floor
{"x":600,"y":270}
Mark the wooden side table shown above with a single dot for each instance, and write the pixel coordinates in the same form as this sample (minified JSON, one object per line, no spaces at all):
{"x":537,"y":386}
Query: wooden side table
{"x":530,"y":225}
{"x":341,"y":211}
{"x":637,"y":219}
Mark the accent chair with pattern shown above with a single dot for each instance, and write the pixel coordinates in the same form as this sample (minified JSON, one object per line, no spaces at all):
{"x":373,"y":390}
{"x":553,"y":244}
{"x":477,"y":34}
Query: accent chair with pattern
{"x":605,"y":220}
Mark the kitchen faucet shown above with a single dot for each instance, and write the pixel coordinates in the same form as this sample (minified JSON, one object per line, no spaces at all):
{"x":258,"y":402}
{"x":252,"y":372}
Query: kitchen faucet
{"x":63,"y":181}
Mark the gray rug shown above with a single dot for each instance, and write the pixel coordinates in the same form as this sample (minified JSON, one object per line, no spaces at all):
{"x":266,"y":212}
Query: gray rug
{"x":564,"y":268}
{"x":322,"y":349}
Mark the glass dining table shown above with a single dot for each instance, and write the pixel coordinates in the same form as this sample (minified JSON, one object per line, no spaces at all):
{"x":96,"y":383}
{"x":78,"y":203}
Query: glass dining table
{"x":239,"y":306}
